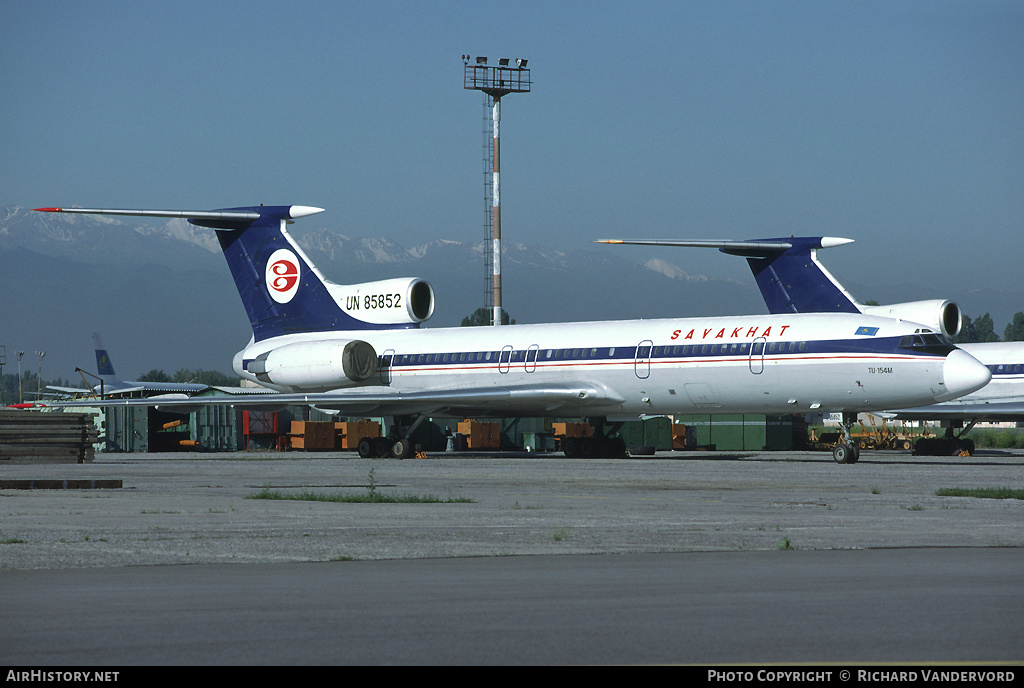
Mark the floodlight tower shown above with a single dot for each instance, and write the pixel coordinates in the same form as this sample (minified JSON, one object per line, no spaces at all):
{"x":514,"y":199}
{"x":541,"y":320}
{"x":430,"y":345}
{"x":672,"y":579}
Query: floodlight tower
{"x":20,"y":354}
{"x":495,"y":82}
{"x":39,"y":380}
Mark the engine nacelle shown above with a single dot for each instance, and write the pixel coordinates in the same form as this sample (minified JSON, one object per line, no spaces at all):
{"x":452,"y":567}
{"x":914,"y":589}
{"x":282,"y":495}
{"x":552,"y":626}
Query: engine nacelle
{"x":404,"y":300}
{"x":317,"y":365}
{"x":943,"y":316}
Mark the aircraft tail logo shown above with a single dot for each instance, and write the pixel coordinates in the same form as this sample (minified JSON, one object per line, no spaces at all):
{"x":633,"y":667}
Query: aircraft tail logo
{"x":282,"y":275}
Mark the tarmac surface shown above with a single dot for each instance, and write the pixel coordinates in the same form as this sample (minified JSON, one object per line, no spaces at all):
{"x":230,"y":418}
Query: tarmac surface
{"x":200,"y":508}
{"x":679,"y":558}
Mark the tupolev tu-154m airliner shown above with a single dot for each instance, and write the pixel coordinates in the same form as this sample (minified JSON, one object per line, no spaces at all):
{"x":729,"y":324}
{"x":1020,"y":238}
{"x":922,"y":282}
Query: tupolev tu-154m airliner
{"x":359,"y":350}
{"x":793,"y":280}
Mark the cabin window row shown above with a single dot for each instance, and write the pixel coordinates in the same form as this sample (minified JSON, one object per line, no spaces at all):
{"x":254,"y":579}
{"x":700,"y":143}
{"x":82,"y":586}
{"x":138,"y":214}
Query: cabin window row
{"x":584,"y":354}
{"x":1007,"y":368}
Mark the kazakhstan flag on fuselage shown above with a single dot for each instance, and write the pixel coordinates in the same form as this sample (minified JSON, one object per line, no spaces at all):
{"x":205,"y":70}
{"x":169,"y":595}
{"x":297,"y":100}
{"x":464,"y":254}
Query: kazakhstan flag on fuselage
{"x":867,"y":331}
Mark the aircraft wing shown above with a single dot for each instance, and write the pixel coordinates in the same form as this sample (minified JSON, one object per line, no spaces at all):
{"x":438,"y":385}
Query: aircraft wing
{"x":70,"y":390}
{"x":127,"y":387}
{"x":133,"y":386}
{"x":384,"y":401}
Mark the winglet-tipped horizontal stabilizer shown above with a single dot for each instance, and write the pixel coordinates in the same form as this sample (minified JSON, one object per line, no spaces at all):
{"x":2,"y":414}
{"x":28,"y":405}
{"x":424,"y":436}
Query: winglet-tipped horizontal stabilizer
{"x":787,"y":271}
{"x":234,"y":215}
{"x":281,"y":290}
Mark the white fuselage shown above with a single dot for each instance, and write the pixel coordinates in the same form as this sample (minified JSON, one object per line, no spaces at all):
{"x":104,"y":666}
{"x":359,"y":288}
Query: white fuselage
{"x":773,"y":364}
{"x":1006,"y":361}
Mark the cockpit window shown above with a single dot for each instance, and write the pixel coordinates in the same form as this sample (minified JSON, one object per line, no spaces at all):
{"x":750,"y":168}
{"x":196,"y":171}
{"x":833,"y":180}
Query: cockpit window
{"x":930,"y":343}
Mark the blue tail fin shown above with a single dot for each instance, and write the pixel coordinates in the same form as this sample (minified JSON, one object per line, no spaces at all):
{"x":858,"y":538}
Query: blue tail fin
{"x":104,"y":368}
{"x":280,"y":289}
{"x":284,"y":293}
{"x":792,"y":280}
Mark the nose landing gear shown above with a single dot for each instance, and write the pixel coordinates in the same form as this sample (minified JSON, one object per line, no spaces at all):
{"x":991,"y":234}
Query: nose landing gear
{"x":846,"y":450}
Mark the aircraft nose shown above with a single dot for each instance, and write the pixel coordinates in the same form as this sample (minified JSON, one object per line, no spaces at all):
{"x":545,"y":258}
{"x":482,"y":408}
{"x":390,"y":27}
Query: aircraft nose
{"x":962,"y":374}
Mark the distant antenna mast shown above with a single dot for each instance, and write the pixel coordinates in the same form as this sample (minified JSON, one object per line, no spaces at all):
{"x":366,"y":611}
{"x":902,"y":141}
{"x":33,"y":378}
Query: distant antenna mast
{"x":495,"y":82}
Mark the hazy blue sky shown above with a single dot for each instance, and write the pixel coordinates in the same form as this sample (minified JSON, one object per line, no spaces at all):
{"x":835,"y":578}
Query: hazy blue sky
{"x":898,"y":124}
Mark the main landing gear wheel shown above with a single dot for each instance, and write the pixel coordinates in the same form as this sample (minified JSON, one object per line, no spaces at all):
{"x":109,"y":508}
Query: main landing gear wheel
{"x":402,"y":449}
{"x":595,"y":447}
{"x":381,"y":447}
{"x":846,"y":453}
{"x":366,"y":448}
{"x":571,"y":447}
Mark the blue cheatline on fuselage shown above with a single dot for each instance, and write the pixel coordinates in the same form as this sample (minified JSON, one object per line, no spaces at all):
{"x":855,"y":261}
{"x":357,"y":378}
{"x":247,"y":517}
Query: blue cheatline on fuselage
{"x":710,"y":352}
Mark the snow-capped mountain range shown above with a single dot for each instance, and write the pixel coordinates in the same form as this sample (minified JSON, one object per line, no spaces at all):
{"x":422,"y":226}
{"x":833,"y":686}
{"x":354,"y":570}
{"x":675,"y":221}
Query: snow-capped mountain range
{"x":160,"y":295}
